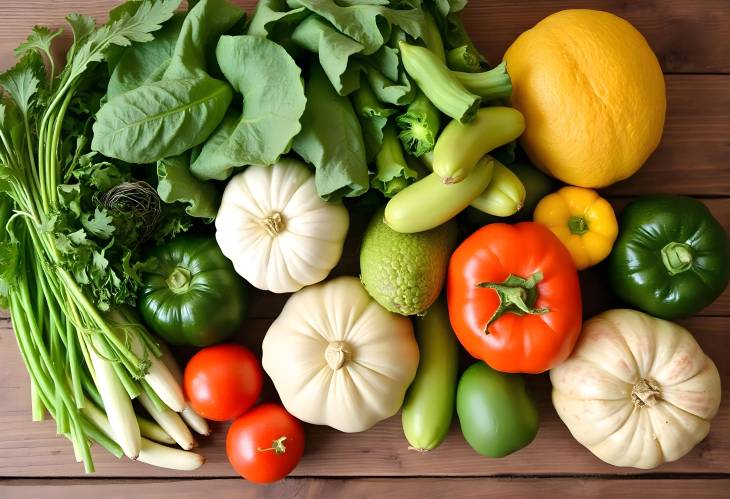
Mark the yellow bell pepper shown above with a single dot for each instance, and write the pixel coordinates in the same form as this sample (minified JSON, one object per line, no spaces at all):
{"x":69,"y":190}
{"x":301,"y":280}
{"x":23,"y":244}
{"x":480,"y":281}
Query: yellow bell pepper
{"x":582,"y":220}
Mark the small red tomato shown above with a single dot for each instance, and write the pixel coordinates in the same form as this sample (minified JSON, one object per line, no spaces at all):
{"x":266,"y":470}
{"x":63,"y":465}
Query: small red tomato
{"x":223,"y":381}
{"x":265,"y":444}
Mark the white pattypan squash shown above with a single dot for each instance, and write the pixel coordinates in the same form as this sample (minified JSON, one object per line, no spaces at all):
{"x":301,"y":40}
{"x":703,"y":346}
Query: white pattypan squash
{"x":338,"y":358}
{"x":277,"y":231}
{"x":637,"y":391}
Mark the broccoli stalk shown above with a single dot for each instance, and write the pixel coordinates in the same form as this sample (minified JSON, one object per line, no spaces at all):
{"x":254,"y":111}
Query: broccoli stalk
{"x":464,"y":58}
{"x":432,"y":36}
{"x":439,"y":84}
{"x":456,"y":37}
{"x":419,"y":126}
{"x":373,"y":116}
{"x":489,"y":85}
{"x":392,"y":173}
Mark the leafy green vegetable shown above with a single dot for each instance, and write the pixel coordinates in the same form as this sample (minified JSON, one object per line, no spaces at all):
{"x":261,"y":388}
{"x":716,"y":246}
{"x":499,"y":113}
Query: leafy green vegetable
{"x":40,"y":40}
{"x":202,"y":28}
{"x":22,"y":80}
{"x":161,"y":119}
{"x":455,"y":36}
{"x":100,"y":224}
{"x":144,"y":63}
{"x":274,"y":102}
{"x":8,"y":249}
{"x":387,"y":61}
{"x":272,"y":17}
{"x":91,"y":45}
{"x":445,"y":7}
{"x":177,"y":184}
{"x":167,"y":117}
{"x":388,"y":91}
{"x":419,"y":126}
{"x":373,"y":118}
{"x":392,"y":173}
{"x":331,"y":139}
{"x":64,"y":253}
{"x":334,"y":49}
{"x":432,"y":36}
{"x":369,"y":25}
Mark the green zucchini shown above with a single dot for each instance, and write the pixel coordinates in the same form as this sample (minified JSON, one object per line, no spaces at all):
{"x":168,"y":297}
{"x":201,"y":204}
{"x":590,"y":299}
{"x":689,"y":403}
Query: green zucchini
{"x":429,"y":405}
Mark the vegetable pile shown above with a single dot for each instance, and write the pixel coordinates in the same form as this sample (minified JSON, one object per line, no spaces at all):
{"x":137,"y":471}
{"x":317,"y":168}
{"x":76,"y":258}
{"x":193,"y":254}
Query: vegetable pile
{"x":179,"y":158}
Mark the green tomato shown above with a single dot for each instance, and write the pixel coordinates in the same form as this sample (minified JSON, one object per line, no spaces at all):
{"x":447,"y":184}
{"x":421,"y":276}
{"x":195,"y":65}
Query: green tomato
{"x":497,"y":415}
{"x":193,"y":296}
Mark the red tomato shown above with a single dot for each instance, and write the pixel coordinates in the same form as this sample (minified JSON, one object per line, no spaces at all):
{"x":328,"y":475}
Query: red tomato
{"x":223,"y":381}
{"x":514,"y":297}
{"x":265,"y":444}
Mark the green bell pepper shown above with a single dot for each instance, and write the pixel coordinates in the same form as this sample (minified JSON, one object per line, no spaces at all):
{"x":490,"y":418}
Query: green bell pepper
{"x":671,"y":257}
{"x":193,"y":296}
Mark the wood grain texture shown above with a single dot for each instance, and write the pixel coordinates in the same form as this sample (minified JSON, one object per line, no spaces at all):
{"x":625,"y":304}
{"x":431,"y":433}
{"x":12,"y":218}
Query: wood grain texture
{"x":688,"y":36}
{"x":692,"y":156}
{"x":33,"y":450}
{"x":402,"y":488}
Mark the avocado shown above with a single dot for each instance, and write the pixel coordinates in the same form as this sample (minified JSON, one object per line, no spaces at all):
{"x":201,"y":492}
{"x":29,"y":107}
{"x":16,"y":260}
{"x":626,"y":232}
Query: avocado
{"x":405,"y":272}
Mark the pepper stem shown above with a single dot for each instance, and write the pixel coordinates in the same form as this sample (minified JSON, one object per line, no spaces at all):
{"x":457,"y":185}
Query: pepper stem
{"x":677,"y":257}
{"x":277,"y":446}
{"x":577,"y":225}
{"x":517,"y":295}
{"x":179,"y":280}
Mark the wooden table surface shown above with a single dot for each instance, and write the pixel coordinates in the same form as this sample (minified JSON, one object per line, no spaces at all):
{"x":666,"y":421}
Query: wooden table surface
{"x":692,"y":41}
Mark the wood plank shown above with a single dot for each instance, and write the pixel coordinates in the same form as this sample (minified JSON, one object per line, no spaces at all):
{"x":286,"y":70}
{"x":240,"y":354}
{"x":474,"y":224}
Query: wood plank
{"x":33,"y":450}
{"x":688,"y":36}
{"x":701,"y":48}
{"x":692,"y":157}
{"x":402,"y":488}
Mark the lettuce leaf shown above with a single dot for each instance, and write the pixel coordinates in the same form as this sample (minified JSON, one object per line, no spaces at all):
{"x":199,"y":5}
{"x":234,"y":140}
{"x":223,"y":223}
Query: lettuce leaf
{"x":332,"y":140}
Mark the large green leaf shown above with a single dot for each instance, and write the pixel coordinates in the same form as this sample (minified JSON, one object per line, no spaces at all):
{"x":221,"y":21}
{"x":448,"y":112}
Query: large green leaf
{"x":365,"y":23}
{"x":203,"y":25}
{"x":167,"y":117}
{"x":162,"y":119}
{"x":333,"y":48}
{"x":270,"y":81}
{"x":144,"y":63}
{"x":273,"y":17}
{"x":332,"y":140}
